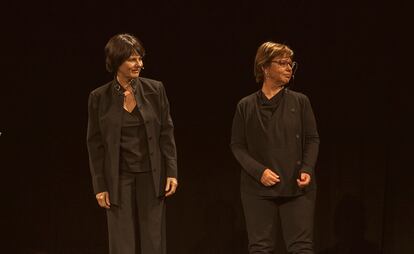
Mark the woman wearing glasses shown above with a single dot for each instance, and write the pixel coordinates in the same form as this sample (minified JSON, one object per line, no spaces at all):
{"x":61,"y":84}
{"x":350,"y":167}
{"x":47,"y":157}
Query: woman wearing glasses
{"x":132,"y":153}
{"x":275,"y":140}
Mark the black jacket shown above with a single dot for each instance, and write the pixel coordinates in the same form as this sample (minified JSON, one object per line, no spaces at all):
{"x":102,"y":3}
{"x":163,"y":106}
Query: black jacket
{"x":104,"y":133}
{"x":295,"y":151}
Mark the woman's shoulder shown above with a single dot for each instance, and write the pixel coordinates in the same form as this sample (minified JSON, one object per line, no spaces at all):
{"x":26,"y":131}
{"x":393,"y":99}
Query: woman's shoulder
{"x":101,"y":89}
{"x":247,"y":103}
{"x":150,"y":82}
{"x":295,"y":94}
{"x":251,"y":98}
{"x":151,"y":85}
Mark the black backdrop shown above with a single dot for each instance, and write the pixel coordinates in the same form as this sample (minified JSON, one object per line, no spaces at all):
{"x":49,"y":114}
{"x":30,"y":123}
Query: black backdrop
{"x":203,"y":51}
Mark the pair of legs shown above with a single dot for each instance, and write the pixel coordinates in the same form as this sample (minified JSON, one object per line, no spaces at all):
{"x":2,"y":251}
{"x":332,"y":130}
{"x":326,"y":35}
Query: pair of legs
{"x":296,"y":219}
{"x":139,"y":217}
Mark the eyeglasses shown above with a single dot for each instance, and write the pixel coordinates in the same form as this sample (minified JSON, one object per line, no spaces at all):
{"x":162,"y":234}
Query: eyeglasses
{"x":285,"y":63}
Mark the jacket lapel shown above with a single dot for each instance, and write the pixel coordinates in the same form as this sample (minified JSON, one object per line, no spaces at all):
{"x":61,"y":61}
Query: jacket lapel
{"x":115,"y":112}
{"x":139,"y":93}
{"x":142,"y":104}
{"x":258,"y":114}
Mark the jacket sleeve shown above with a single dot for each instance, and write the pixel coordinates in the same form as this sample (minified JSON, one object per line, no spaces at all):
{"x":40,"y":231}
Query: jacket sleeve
{"x":167,"y":142}
{"x":95,"y":146}
{"x":310,"y":138}
{"x":239,"y":147}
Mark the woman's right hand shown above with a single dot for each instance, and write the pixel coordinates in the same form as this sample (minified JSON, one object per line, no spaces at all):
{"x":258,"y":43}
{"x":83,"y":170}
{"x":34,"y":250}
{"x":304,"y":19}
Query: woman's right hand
{"x":269,"y":178}
{"x":103,"y":199}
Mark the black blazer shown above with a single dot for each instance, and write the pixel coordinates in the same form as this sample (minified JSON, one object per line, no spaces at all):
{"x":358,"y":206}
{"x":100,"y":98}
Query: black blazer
{"x":298,"y":153}
{"x":104,"y":134}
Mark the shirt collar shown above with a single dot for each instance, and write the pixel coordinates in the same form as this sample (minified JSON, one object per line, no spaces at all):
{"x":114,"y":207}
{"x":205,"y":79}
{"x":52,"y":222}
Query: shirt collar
{"x":121,"y":89}
{"x":267,"y":102}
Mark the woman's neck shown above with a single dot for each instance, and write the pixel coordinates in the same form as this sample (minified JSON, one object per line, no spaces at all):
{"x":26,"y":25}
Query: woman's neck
{"x":271,"y":89}
{"x":124,"y":82}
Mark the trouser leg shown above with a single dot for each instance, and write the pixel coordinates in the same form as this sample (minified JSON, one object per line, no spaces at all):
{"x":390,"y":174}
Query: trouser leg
{"x":260,"y":217}
{"x":296,"y":217}
{"x":151,"y":215}
{"x":121,"y":222}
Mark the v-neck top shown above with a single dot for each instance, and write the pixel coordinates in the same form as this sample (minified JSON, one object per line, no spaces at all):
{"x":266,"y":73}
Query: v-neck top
{"x":133,"y":146}
{"x":267,"y":107}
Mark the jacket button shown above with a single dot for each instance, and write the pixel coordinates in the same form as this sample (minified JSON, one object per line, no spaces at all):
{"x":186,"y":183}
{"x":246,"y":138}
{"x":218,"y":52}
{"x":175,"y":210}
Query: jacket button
{"x":298,"y":162}
{"x":297,"y":136}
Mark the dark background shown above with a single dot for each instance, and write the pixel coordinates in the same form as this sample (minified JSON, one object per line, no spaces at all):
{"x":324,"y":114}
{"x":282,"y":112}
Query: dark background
{"x":351,"y":64}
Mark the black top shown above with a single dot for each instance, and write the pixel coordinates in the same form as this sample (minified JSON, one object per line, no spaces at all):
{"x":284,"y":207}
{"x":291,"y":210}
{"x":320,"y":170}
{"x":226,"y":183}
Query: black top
{"x":268,"y":106}
{"x":279,"y":134}
{"x":133,"y":146}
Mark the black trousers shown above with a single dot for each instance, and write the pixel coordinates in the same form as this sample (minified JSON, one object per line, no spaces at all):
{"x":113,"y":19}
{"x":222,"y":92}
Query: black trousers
{"x":296,"y":219}
{"x":139,"y":219}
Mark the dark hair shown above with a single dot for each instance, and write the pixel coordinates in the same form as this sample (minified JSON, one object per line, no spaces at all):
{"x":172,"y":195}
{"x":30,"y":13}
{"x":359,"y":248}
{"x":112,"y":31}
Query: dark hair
{"x":265,"y":54}
{"x":119,"y":48}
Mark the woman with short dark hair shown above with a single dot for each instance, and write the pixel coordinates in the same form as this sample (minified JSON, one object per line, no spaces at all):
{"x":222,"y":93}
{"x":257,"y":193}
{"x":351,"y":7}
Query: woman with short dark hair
{"x":132,"y":153}
{"x":275,"y":140}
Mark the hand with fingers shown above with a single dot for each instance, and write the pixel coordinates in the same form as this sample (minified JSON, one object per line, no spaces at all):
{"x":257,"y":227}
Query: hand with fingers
{"x":170,"y":186}
{"x":304,"y":180}
{"x":269,"y":178}
{"x":103,"y":199}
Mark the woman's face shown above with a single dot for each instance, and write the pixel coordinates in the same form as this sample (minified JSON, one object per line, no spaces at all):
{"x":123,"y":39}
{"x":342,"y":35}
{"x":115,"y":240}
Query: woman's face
{"x":279,"y":71}
{"x":131,"y":68}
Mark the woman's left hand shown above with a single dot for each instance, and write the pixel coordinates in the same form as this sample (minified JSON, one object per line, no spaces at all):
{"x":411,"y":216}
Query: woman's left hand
{"x":304,"y":180}
{"x":171,"y":186}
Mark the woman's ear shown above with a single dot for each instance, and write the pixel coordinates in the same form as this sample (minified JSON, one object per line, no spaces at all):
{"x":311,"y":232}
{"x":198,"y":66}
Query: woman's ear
{"x":265,"y":71}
